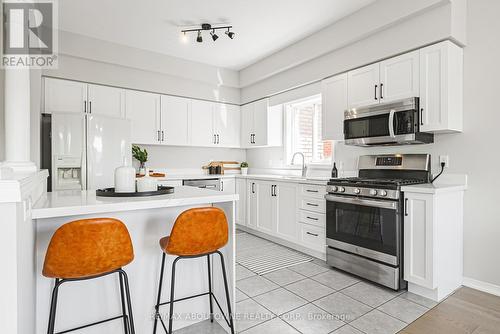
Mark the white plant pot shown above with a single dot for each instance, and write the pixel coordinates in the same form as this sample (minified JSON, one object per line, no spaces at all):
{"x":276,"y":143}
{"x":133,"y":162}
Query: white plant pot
{"x":244,"y":170}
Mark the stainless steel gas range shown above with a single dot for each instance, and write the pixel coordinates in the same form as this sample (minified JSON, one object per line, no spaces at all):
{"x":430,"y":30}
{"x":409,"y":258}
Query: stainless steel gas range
{"x":365,"y":216}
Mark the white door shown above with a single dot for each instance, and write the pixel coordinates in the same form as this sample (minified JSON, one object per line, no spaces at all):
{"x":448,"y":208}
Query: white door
{"x":143,"y":110}
{"x":334,"y":103}
{"x":266,"y":221}
{"x":64,"y":96}
{"x":108,"y":144}
{"x":260,"y":124}
{"x":285,"y":213}
{"x":399,"y":77}
{"x":175,"y":120}
{"x":246,"y":137}
{"x":228,"y":185}
{"x":202,"y":130}
{"x":241,"y":190}
{"x":419,"y":233}
{"x":363,"y":86}
{"x":106,"y":101}
{"x":252,"y":204}
{"x":227,"y":125}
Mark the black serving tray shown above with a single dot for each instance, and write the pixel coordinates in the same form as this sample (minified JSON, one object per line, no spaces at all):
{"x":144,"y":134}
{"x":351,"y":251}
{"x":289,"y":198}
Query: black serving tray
{"x":110,"y":192}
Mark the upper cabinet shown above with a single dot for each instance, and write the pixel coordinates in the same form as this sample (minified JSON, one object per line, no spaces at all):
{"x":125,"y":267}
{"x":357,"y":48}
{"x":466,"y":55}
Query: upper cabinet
{"x":334,"y":103}
{"x":364,"y":86}
{"x":143,"y":109}
{"x":175,"y":120}
{"x":202,"y":128}
{"x":107,"y":101}
{"x":64,"y":96}
{"x":441,"y":88}
{"x":399,"y":77}
{"x":261,"y":125}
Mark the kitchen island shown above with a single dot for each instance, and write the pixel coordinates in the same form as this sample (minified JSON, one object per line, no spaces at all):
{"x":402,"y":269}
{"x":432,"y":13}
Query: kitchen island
{"x":147,"y":219}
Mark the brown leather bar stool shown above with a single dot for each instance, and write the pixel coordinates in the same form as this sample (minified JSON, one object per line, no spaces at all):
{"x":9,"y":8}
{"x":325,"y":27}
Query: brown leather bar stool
{"x":87,"y":249}
{"x":196,"y":233}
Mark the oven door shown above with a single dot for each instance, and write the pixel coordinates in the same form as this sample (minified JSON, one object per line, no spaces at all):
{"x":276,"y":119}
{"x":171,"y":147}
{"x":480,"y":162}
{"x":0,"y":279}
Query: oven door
{"x":366,"y":227}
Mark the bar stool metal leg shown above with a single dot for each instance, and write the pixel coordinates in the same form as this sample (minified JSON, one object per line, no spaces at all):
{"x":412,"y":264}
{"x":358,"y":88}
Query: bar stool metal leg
{"x":53,"y":306}
{"x":129,"y":302}
{"x":172,"y":292}
{"x":230,"y":316}
{"x":157,"y":306}
{"x":210,"y":289}
{"x":124,"y":311}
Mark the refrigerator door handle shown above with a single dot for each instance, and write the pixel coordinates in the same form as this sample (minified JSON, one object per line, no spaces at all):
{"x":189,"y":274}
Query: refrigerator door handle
{"x":83,"y":167}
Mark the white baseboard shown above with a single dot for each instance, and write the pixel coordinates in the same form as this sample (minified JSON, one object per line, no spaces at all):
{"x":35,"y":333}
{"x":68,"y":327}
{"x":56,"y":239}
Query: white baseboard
{"x":482,"y":286}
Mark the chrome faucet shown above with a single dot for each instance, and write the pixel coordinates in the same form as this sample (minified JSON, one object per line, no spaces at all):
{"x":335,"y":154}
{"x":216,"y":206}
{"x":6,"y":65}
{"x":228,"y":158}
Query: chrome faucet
{"x":304,"y":167}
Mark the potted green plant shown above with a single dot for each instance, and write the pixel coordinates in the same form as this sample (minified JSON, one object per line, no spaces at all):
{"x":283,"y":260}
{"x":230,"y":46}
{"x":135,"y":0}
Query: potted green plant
{"x":244,"y":168}
{"x":140,"y":155}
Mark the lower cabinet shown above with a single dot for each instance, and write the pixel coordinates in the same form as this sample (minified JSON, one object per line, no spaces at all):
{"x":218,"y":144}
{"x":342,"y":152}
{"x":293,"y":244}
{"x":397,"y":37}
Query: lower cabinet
{"x":241,"y":204}
{"x":285,"y":202}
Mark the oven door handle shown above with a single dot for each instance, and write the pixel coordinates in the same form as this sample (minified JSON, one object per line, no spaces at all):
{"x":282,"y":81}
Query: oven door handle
{"x":391,"y":123}
{"x":362,"y":201}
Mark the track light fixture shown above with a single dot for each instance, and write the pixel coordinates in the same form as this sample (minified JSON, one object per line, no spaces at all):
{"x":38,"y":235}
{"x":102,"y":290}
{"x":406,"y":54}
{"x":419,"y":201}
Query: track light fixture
{"x":208,"y":27}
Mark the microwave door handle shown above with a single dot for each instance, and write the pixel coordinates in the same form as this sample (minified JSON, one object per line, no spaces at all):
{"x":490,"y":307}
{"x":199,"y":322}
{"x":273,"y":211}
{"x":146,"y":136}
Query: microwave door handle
{"x":391,"y":124}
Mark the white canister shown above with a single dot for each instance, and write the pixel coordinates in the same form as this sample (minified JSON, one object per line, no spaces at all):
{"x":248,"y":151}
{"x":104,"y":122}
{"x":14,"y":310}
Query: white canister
{"x":125,"y":178}
{"x":147,"y":183}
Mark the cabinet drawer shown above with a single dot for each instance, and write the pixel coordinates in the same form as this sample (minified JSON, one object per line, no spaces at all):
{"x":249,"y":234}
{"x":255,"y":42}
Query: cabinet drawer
{"x":312,"y":218}
{"x":311,"y":190}
{"x":313,"y":204}
{"x":170,"y":183}
{"x":313,"y":237}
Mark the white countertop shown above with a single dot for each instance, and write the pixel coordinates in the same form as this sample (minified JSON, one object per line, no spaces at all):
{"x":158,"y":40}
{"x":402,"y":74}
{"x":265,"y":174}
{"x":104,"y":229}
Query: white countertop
{"x":431,"y":188}
{"x":284,"y":178}
{"x":82,"y":202}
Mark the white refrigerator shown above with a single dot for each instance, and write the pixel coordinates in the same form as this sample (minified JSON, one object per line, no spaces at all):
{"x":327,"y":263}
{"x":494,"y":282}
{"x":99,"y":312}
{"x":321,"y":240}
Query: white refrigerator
{"x":86,"y":149}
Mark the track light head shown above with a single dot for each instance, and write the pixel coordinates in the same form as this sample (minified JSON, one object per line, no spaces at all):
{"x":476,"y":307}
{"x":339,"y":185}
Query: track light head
{"x":230,"y":34}
{"x":199,"y":39}
{"x":214,"y":35}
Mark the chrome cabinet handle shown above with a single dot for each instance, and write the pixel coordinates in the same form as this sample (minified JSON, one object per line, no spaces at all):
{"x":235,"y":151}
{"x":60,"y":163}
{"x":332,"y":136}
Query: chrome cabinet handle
{"x":218,"y":139}
{"x":312,"y":204}
{"x":84,"y":106}
{"x":253,"y":188}
{"x":312,"y":218}
{"x":162,"y":136}
{"x":90,"y":107}
{"x":376,"y":86}
{"x":158,"y":135}
{"x":406,"y":206}
{"x":421,"y":116}
{"x":313,"y":234}
{"x":311,"y":191}
{"x":381,"y":91}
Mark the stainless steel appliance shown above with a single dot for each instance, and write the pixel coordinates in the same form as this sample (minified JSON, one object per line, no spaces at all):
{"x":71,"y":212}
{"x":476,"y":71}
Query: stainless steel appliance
{"x":393,"y":123}
{"x":203,"y":183}
{"x":365,"y":216}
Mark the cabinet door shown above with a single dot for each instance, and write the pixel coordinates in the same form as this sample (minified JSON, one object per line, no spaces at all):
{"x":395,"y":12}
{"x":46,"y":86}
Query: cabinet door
{"x":334,"y":103}
{"x":246,"y":125}
{"x":363,"y":86}
{"x":285,"y":211}
{"x":143,"y":109}
{"x":419,"y":233}
{"x":64,"y":96}
{"x":266,"y":221}
{"x":260,"y":123}
{"x":228,"y":185}
{"x":106,"y":101}
{"x":202,"y":130}
{"x":441,"y":88}
{"x":241,"y":190}
{"x":252,"y":204}
{"x":399,"y":77}
{"x":175,"y":120}
{"x":227,"y":125}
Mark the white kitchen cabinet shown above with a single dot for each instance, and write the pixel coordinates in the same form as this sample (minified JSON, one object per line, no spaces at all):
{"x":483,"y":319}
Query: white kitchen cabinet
{"x":241,"y":205}
{"x":441,"y":88}
{"x":284,"y":202}
{"x":261,"y":125}
{"x":266,"y":221}
{"x":202,"y":130}
{"x":363,"y":86}
{"x":175,"y":120}
{"x":334,"y":103}
{"x":226,"y":124}
{"x":106,"y":101}
{"x":252,"y":214}
{"x":399,"y":77}
{"x":143,"y":109}
{"x":227,"y":185}
{"x":64,"y":96}
{"x":433,"y":240}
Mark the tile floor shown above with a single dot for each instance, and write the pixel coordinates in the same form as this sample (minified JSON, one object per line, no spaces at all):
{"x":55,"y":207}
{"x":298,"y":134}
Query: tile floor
{"x":313,"y":298}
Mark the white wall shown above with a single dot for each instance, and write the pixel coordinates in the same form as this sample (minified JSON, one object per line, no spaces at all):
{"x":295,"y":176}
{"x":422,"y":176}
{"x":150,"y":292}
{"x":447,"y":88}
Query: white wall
{"x":473,"y":152}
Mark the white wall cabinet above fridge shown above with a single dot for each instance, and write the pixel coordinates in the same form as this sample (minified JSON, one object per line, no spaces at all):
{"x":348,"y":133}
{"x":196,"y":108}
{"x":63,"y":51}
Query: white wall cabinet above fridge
{"x":261,"y":125}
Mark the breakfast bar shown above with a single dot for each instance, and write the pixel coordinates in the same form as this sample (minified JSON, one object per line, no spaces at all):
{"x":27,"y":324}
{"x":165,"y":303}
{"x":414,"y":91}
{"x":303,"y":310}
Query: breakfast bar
{"x":148,"y":219}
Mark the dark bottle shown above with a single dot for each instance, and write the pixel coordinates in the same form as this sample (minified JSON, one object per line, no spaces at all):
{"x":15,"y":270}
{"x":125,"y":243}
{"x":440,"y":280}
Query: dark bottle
{"x":334,"y":171}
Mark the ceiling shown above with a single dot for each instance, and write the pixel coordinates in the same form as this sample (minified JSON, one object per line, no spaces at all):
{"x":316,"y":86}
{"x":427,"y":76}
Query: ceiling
{"x":262,"y":27}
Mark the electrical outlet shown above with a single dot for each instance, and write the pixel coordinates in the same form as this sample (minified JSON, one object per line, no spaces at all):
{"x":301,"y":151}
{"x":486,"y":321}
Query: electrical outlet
{"x":444,"y":159}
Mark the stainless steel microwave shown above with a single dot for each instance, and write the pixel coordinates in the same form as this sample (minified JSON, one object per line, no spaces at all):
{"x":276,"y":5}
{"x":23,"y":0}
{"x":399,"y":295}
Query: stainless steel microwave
{"x":393,"y":123}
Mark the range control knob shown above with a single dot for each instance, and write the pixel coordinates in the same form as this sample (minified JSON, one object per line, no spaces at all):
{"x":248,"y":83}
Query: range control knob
{"x":356,"y":190}
{"x":341,"y":189}
{"x":383,"y":193}
{"x":333,"y":189}
{"x":373,"y":192}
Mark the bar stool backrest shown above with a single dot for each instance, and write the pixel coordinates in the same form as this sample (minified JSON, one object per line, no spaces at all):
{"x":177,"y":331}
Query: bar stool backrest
{"x":88,"y":247}
{"x":198,"y":231}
